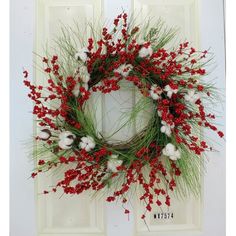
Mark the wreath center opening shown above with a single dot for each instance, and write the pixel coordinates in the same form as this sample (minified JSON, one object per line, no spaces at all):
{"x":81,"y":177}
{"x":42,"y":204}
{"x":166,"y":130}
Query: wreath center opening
{"x":119,"y":115}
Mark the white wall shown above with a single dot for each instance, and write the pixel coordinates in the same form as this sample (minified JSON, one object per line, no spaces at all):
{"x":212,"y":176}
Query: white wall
{"x":22,"y":216}
{"x":212,"y":36}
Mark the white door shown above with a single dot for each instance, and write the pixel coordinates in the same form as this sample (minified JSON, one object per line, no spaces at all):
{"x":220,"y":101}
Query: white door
{"x":199,"y":21}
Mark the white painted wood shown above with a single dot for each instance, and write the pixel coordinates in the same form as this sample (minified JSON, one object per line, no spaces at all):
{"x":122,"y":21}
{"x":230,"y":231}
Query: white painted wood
{"x":190,"y":217}
{"x":181,"y":14}
{"x":64,"y":214}
{"x":117,"y":107}
{"x":186,"y":217}
{"x":56,"y":214}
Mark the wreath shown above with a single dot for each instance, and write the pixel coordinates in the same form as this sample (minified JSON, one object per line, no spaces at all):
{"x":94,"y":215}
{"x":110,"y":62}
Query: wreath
{"x":164,"y":156}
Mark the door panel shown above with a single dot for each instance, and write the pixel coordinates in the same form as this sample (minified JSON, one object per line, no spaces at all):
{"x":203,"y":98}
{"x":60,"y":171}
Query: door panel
{"x":182,"y":215}
{"x":64,"y":214}
{"x":61,"y":214}
{"x":116,"y":110}
{"x":181,"y":14}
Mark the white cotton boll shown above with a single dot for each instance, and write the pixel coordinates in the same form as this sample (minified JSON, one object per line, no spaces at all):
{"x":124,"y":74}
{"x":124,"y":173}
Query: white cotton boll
{"x":44,"y":134}
{"x":66,"y":139}
{"x":164,"y":152}
{"x":66,"y":143}
{"x":84,"y":142}
{"x":169,"y":94}
{"x":66,"y":134}
{"x":62,"y":145}
{"x":170,"y":151}
{"x":154,"y":96}
{"x":175,"y":156}
{"x":192,"y":96}
{"x":119,"y":69}
{"x":163,"y":129}
{"x":155,"y":92}
{"x":83,"y":145}
{"x":82,"y":54}
{"x":90,"y":138}
{"x":87,"y":148}
{"x":166,"y":128}
{"x":113,"y":163}
{"x":91,"y":142}
{"x":87,"y":143}
{"x":170,"y":91}
{"x":145,"y":51}
{"x":84,"y":139}
{"x":167,"y":88}
{"x":127,"y":70}
{"x":124,"y":69}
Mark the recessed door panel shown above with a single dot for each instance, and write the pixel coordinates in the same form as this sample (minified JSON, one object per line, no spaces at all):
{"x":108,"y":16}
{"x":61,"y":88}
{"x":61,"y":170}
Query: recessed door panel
{"x":183,"y":214}
{"x":61,"y":214}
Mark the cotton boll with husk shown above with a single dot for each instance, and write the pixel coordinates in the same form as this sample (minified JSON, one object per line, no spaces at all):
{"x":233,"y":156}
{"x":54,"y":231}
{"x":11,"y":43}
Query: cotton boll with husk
{"x":145,"y":51}
{"x":170,"y":91}
{"x":171,"y":151}
{"x":82,"y":54}
{"x":44,"y":134}
{"x":124,"y":69}
{"x":155,"y":92}
{"x":166,"y":128}
{"x":87,"y":143}
{"x":66,"y":139}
